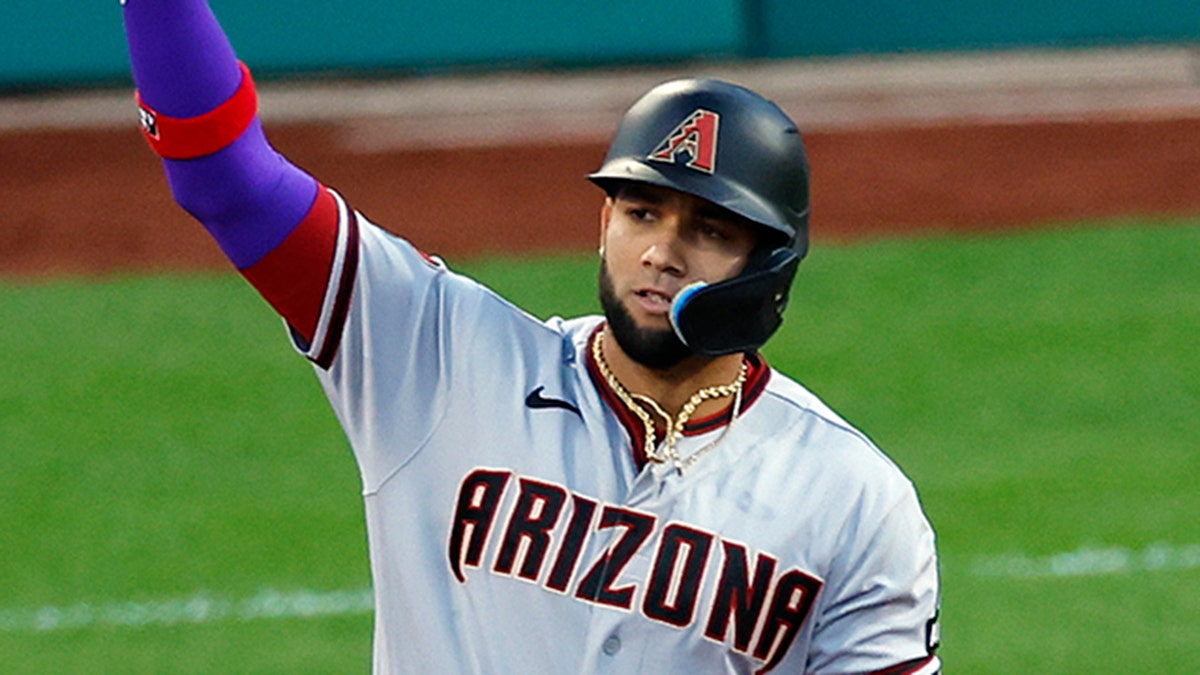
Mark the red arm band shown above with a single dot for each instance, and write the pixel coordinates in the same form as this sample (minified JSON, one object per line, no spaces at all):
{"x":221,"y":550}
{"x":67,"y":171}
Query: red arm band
{"x":188,"y":138}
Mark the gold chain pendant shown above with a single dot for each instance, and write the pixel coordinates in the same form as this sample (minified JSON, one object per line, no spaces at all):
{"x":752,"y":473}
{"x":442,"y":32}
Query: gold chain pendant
{"x":674,"y":426}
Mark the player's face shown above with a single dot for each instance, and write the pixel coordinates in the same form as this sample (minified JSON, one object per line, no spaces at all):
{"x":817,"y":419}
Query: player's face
{"x":655,"y":242}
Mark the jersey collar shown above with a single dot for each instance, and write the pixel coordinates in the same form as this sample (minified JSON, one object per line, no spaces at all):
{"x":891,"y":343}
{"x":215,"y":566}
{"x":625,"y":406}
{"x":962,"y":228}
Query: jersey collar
{"x":758,"y":373}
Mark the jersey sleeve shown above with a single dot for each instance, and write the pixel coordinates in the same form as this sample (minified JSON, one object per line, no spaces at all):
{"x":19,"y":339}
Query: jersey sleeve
{"x":401,"y":338}
{"x":309,"y":277}
{"x":881,"y":612}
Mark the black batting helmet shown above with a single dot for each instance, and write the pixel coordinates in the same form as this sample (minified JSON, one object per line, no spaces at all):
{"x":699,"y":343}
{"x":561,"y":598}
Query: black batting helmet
{"x":728,"y":145}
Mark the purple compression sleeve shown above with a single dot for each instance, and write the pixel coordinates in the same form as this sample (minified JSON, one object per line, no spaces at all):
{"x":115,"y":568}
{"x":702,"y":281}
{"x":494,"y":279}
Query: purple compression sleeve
{"x":248,"y":196}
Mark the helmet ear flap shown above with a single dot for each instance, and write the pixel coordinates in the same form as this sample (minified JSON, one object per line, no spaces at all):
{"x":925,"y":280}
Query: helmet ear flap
{"x":738,"y":314}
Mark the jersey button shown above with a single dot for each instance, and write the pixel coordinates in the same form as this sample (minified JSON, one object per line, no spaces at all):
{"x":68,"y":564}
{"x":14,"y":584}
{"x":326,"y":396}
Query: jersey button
{"x":612,"y":645}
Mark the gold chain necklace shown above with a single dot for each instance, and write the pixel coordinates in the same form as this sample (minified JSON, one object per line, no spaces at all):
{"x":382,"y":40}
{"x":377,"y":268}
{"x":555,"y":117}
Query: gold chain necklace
{"x":669,"y":452}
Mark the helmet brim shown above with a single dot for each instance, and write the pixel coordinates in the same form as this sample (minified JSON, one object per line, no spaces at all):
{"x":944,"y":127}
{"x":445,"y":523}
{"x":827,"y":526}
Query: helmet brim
{"x":719,"y":190}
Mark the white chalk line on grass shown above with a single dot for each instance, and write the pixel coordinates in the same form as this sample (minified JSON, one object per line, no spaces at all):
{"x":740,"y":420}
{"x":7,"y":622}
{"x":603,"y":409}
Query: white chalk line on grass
{"x":200,"y":608}
{"x":1089,"y":561}
{"x":304,"y":604}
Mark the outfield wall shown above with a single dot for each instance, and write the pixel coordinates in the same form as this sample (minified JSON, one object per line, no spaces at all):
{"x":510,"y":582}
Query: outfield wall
{"x":66,"y":42}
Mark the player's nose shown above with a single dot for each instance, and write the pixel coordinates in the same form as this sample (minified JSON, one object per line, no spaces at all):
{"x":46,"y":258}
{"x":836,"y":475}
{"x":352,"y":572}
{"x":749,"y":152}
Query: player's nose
{"x":666,"y":250}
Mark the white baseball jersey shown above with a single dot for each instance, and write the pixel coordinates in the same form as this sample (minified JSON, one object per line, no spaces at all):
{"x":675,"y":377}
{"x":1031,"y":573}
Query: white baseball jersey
{"x":514,"y":527}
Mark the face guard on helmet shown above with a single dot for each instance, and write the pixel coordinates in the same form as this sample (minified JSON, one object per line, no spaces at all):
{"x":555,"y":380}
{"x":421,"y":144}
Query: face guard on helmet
{"x":730,"y":146}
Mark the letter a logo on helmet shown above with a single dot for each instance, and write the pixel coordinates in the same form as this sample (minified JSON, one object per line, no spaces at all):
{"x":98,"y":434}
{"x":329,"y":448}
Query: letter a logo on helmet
{"x":695,"y":136}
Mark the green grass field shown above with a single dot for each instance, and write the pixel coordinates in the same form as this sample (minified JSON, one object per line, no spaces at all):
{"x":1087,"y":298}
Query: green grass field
{"x":176,"y":497}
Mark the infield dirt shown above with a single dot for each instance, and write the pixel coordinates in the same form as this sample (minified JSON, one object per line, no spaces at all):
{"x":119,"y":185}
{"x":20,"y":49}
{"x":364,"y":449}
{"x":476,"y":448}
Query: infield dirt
{"x":89,"y":198}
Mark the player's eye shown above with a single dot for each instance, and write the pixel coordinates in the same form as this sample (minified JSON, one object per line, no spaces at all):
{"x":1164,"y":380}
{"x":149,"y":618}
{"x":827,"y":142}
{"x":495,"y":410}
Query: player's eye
{"x":713,"y":231}
{"x":639,"y":213}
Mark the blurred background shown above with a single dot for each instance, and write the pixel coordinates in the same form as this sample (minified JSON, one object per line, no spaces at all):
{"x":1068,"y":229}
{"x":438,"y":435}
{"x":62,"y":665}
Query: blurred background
{"x":975,"y":114}
{"x":59,"y":43}
{"x":1004,"y":293}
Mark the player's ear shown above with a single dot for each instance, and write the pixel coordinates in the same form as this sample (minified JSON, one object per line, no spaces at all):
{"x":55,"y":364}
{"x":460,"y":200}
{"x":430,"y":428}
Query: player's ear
{"x":606,"y":212}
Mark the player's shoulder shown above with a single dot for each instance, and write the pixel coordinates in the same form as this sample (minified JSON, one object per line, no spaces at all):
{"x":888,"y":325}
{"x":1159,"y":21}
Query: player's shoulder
{"x":577,"y":329}
{"x":394,"y":260}
{"x":803,"y":403}
{"x":824,"y":438}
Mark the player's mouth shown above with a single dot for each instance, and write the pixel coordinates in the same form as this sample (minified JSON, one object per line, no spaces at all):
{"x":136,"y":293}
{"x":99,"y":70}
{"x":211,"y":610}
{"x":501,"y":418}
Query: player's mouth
{"x":653,"y":301}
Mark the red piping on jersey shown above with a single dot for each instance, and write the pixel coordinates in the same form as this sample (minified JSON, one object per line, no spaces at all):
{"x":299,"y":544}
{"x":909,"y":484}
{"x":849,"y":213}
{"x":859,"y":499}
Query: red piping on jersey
{"x":631,"y":422}
{"x":191,"y":137}
{"x":906,"y":668}
{"x":757,"y":375}
{"x":341,"y":305}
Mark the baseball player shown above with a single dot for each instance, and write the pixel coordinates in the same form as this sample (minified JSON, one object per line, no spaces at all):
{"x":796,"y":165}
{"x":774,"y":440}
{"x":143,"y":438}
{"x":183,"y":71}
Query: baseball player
{"x":629,"y":493}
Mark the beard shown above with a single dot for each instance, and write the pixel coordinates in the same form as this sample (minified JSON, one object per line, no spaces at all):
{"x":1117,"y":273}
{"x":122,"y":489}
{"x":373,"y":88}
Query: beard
{"x":654,"y":348}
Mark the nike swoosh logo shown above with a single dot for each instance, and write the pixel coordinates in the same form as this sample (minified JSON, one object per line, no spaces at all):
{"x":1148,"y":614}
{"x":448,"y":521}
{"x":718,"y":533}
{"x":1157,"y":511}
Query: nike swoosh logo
{"x":536,"y":401}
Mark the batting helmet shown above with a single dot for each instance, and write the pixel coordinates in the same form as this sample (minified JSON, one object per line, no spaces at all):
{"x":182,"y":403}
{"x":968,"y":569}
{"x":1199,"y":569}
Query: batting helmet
{"x":732,"y":147}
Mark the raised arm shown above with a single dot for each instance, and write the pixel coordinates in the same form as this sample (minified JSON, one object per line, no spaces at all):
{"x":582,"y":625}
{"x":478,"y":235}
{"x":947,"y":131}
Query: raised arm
{"x":274,"y":222}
